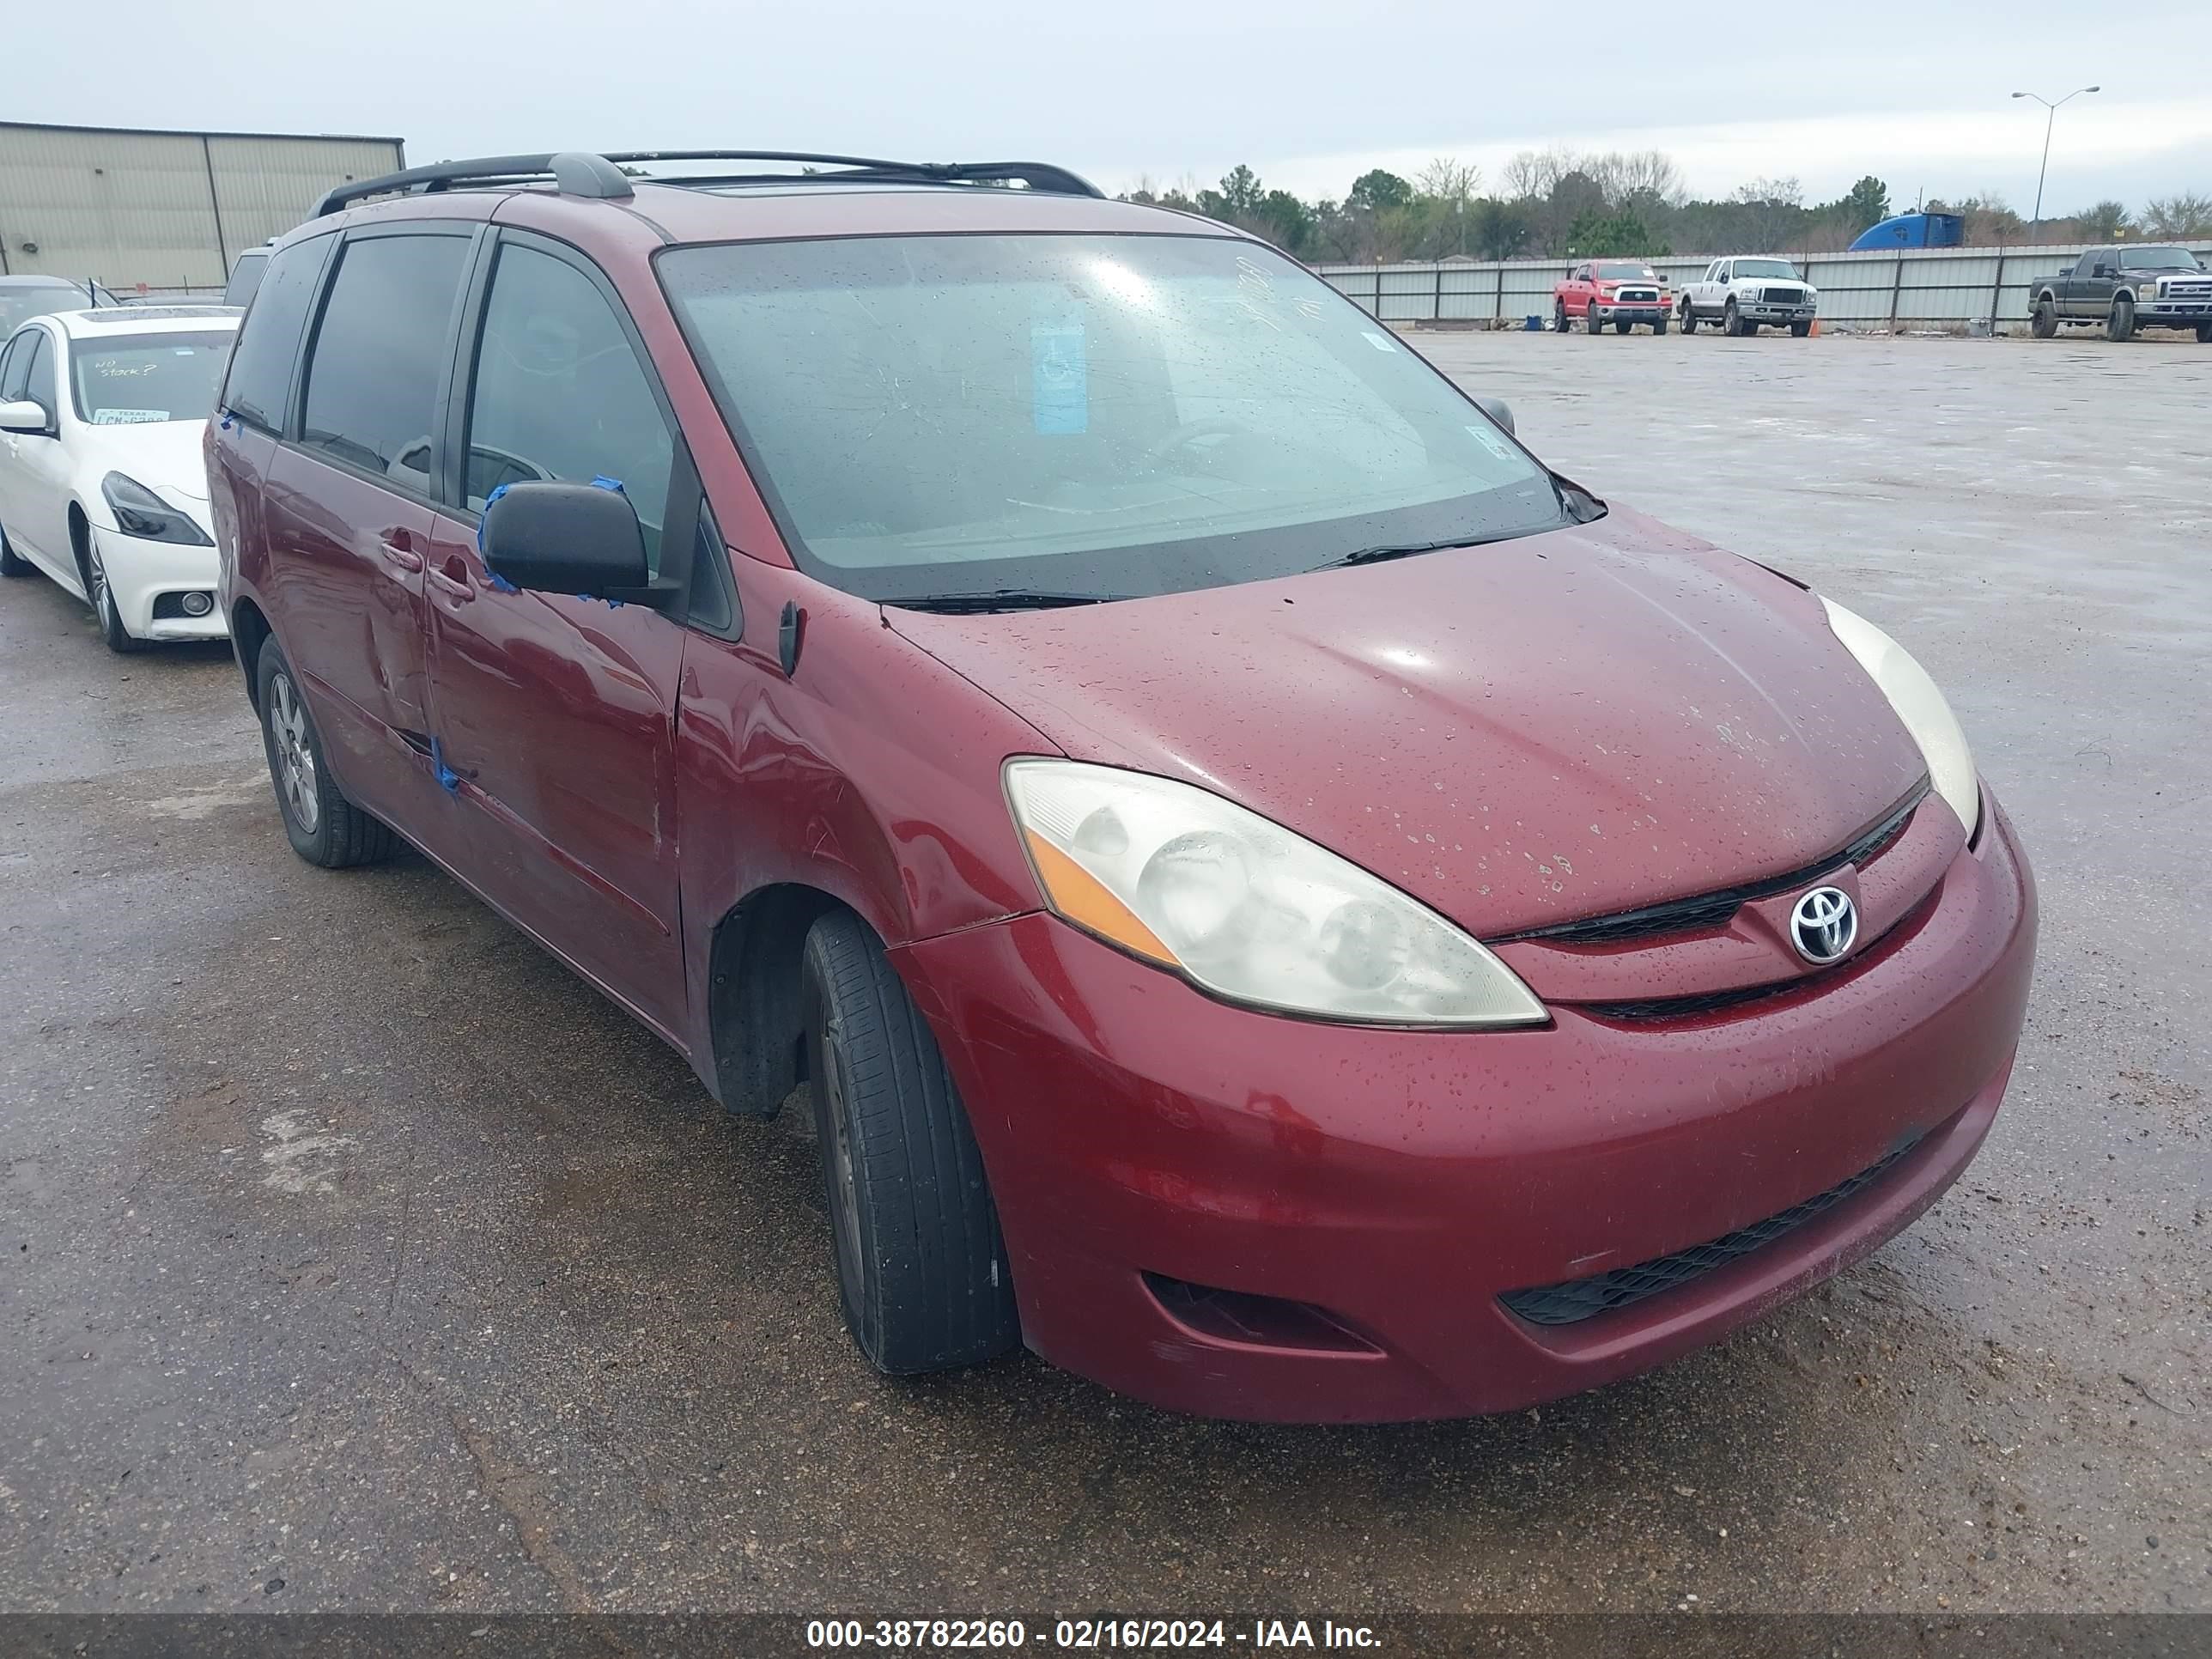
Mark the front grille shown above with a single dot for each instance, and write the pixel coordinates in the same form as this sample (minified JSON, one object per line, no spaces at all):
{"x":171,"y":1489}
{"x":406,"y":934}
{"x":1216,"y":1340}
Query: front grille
{"x":1638,"y":296}
{"x":1713,"y":910}
{"x":1785,"y":297}
{"x":1576,"y":1299}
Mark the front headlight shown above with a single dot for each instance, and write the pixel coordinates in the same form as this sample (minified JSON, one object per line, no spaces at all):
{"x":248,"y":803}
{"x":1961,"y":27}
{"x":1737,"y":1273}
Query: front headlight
{"x":1246,"y":910}
{"x":139,"y":512}
{"x":1919,"y":704}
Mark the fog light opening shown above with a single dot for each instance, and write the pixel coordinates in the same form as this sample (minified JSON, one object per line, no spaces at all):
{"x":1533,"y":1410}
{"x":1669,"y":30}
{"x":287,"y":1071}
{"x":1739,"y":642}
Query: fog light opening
{"x":197,"y":604}
{"x":1254,"y":1321}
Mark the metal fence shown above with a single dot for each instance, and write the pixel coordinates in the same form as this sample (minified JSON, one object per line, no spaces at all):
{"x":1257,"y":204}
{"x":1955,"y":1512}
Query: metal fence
{"x":1902,"y":288}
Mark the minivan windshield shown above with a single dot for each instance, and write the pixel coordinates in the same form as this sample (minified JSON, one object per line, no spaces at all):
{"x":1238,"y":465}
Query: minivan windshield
{"x":1082,"y":416}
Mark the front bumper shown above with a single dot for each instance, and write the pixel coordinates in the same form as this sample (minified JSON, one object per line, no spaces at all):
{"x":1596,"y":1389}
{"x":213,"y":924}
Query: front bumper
{"x":140,"y":572}
{"x":1638,"y":311}
{"x":1758,"y":311}
{"x":1403,"y":1182}
{"x":2178,"y":314}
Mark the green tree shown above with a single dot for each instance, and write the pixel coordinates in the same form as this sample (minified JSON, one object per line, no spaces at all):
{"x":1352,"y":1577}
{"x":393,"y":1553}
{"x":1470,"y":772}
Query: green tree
{"x":1864,"y":204}
{"x":1377,"y":190}
{"x":1614,"y":236}
{"x":1500,"y":230}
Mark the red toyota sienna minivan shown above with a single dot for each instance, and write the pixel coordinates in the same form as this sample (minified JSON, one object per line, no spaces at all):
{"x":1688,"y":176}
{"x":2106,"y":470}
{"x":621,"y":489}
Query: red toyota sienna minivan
{"x":1281,"y":902}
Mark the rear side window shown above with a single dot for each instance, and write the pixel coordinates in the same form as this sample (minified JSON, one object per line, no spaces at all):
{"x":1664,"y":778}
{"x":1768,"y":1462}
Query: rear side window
{"x":373,"y":371}
{"x":261,"y":364}
{"x":560,"y":394}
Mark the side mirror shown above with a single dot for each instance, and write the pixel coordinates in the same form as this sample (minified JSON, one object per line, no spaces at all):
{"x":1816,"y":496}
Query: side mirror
{"x":570,"y":538}
{"x":1499,"y":410}
{"x":2101,"y":270}
{"x":24,"y":415}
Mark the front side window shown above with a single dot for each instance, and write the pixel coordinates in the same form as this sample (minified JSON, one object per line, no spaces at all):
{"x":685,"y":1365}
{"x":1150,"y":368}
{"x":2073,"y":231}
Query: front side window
{"x":372,"y":372}
{"x":42,"y":384}
{"x":1108,"y":416}
{"x":16,"y":366}
{"x":559,"y":394}
{"x":134,"y":378}
{"x":260,"y":377}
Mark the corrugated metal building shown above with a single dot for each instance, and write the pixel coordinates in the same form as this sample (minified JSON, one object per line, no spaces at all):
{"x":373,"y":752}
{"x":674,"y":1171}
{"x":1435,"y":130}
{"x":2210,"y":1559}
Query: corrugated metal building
{"x":170,"y":209}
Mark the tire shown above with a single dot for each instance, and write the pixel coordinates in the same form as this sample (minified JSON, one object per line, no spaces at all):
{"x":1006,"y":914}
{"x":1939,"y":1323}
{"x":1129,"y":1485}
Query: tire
{"x":2203,"y":337}
{"x":2120,"y":322}
{"x":324,"y":827}
{"x":2044,"y":322}
{"x":119,"y":639}
{"x":1689,"y":319}
{"x":921,"y":1269}
{"x":1731,"y":319}
{"x":9,"y":564}
{"x":1801,"y":330}
{"x":1621,"y":326}
{"x":1659,"y":324}
{"x":1558,"y":316}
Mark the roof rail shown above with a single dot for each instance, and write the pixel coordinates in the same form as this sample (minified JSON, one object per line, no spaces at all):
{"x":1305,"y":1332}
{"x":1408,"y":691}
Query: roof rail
{"x":604,"y":178}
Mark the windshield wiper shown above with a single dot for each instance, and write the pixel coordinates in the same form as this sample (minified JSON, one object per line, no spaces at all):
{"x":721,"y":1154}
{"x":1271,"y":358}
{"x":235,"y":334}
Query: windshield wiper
{"x":1000,"y":598}
{"x":1407,"y":550}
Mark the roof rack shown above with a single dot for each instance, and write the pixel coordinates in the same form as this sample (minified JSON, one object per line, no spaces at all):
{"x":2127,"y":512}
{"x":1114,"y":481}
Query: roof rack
{"x":610,"y":176}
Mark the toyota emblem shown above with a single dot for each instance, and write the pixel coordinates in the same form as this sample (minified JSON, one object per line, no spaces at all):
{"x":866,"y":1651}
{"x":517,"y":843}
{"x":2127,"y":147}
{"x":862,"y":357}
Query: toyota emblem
{"x":1824,"y":924}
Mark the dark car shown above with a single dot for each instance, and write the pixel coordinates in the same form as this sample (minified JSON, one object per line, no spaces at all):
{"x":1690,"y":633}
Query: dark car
{"x":2125,"y":289}
{"x":22,"y":298}
{"x":1281,"y":902}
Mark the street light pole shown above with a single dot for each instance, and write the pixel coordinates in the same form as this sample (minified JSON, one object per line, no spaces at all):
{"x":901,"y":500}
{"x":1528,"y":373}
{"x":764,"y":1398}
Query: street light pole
{"x":2048,"y":119}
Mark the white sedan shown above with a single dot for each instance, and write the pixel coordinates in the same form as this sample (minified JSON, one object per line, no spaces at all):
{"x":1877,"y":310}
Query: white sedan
{"x":102,"y":484}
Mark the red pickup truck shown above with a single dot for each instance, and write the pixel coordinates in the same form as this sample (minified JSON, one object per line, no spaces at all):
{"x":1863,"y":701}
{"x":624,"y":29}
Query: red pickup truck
{"x":1622,"y":292}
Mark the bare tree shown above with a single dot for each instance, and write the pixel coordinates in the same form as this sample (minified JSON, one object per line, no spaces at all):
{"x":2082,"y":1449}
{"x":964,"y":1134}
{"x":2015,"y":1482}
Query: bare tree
{"x":1449,"y":180}
{"x":2186,"y":213}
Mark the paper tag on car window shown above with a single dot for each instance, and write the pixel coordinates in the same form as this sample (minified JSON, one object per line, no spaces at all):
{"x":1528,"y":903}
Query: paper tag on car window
{"x":127,"y":417}
{"x":1380,"y":341}
{"x":1491,"y":439}
{"x":1060,"y":379}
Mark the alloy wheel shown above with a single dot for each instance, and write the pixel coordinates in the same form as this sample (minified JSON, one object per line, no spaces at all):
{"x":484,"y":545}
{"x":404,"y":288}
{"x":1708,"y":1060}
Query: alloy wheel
{"x":295,"y":756}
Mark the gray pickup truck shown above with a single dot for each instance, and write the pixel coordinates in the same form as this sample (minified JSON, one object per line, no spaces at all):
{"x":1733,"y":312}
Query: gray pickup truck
{"x":2125,"y":289}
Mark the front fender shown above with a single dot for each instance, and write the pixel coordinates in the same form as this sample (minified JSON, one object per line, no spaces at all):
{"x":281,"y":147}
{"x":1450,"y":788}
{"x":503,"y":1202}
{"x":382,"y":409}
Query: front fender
{"x":871,"y":775}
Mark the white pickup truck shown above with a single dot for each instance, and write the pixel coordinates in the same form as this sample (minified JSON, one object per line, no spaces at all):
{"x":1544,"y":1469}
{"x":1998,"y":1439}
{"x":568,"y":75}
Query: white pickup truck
{"x":1741,"y":293}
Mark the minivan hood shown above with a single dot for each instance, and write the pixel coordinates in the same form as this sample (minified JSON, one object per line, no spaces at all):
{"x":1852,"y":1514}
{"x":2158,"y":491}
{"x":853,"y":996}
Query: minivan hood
{"x":1564,"y":725}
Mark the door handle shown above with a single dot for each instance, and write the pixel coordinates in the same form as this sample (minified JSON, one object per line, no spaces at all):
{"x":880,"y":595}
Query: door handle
{"x":454,"y":581}
{"x":398,"y":547}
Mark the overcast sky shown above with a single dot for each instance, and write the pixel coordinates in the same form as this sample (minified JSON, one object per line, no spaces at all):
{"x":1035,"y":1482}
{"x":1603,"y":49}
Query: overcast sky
{"x":1308,"y":94}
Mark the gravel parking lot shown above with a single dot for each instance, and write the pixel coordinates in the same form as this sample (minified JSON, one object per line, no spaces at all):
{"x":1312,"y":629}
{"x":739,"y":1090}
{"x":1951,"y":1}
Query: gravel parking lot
{"x":358,"y":1257}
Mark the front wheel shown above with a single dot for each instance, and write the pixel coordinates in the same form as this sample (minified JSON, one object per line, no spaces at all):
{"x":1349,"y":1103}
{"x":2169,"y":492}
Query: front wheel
{"x":1689,"y":319}
{"x":1731,"y":319}
{"x":1659,"y":324}
{"x":922,"y":1270}
{"x":324,"y":827}
{"x":2204,"y":333}
{"x":1621,"y":326}
{"x":1801,"y":330}
{"x":120,"y":640}
{"x":1558,"y":316}
{"x":2044,"y":322}
{"x":2120,"y":324}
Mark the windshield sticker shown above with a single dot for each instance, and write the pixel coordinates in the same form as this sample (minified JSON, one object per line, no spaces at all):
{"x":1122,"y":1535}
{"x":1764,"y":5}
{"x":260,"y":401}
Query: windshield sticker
{"x":1380,"y":341}
{"x":128,"y":416}
{"x":1060,"y":395}
{"x":1492,"y":440}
